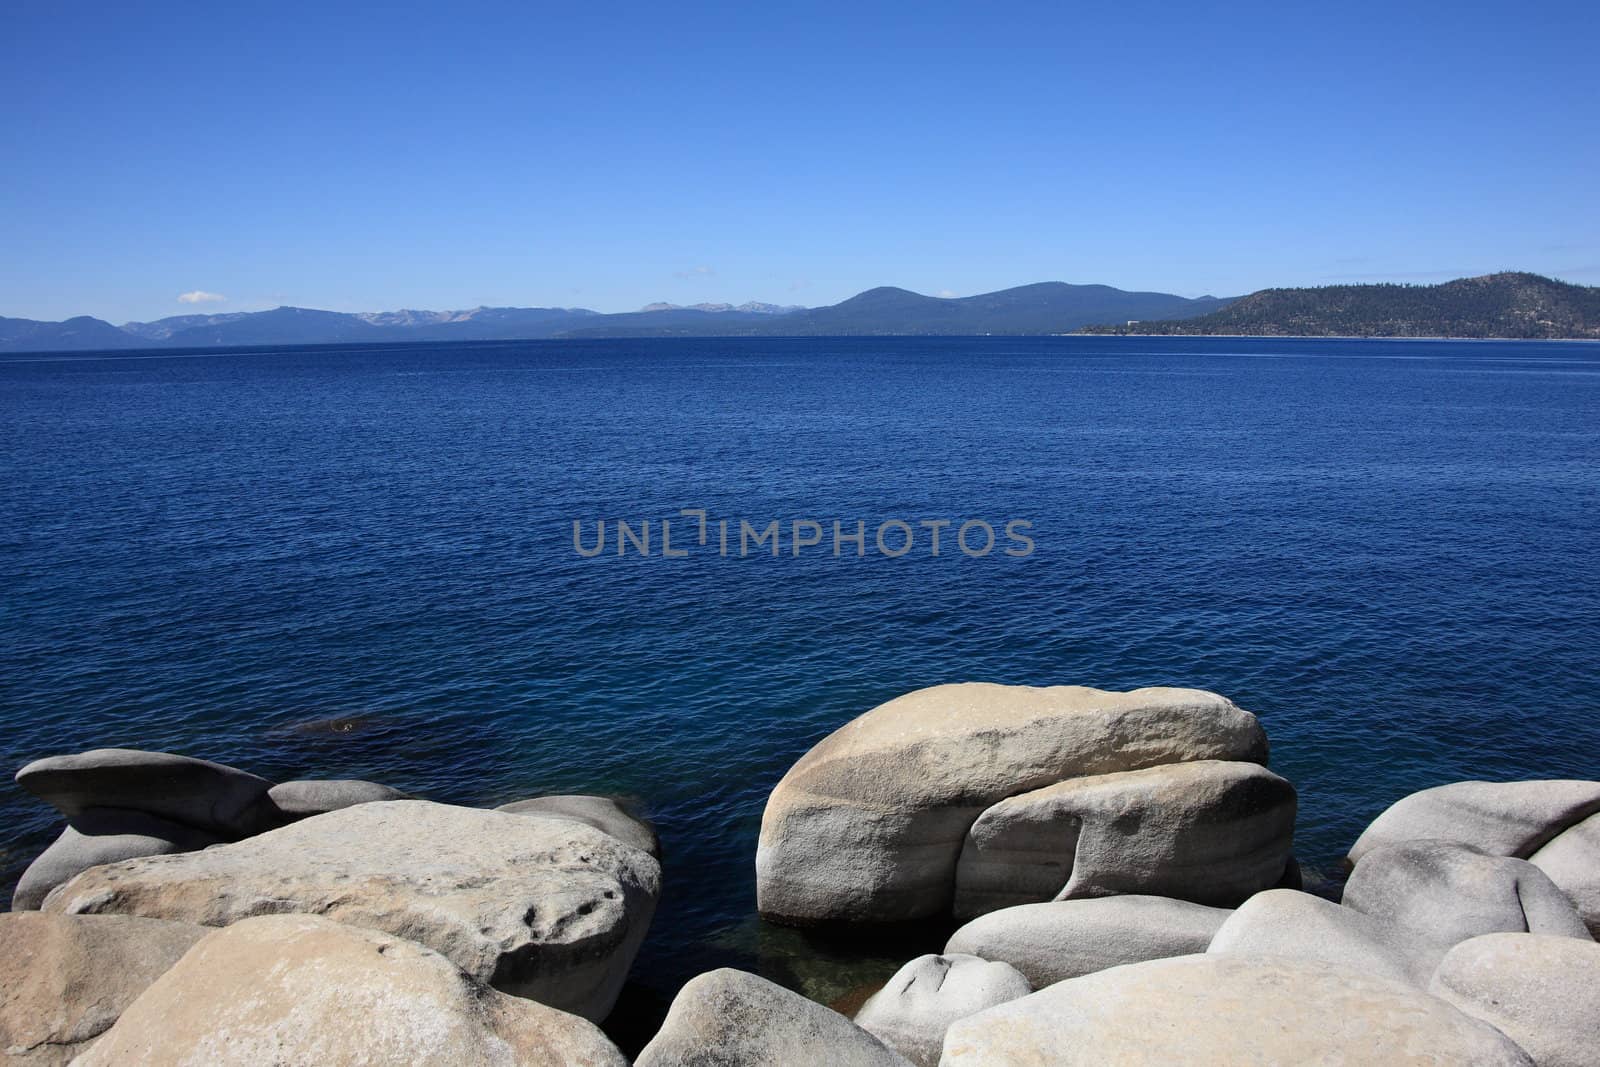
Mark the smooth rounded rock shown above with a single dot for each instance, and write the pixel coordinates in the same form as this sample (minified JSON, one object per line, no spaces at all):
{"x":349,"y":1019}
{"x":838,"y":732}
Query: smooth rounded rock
{"x":1500,"y":818}
{"x":1542,"y":992}
{"x":1217,"y":1010}
{"x":602,"y":813}
{"x":728,"y":1018}
{"x":298,"y":989}
{"x":98,"y":836}
{"x":64,"y":979}
{"x":542,"y":908}
{"x":1064,"y":939}
{"x":1443,"y":893}
{"x":209,"y":796}
{"x":1572,"y":861}
{"x":303,"y":799}
{"x":913,"y":1010}
{"x":1210,"y":831}
{"x":868,"y":825}
{"x":1283,"y":922}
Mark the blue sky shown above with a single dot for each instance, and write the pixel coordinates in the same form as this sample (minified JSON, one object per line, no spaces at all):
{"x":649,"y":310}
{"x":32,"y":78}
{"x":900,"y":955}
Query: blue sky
{"x":366,"y":157}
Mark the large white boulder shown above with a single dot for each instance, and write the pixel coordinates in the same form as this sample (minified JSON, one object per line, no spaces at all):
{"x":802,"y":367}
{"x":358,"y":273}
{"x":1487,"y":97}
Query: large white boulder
{"x":1500,"y":818}
{"x":302,"y":799}
{"x":1063,"y":939}
{"x":64,"y":979}
{"x":1542,"y":992}
{"x":298,"y":989}
{"x":868,"y":825}
{"x":913,"y":1010}
{"x":1283,"y":922}
{"x":728,"y":1018}
{"x":602,"y":813}
{"x":1572,"y":860}
{"x":97,"y":836}
{"x":1222,"y":1011}
{"x":1442,"y":894}
{"x":221,"y":800}
{"x":1210,"y":831}
{"x":543,"y":908}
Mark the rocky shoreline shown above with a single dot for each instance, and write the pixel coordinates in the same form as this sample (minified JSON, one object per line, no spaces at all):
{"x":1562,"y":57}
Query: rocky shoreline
{"x":1121,"y":865}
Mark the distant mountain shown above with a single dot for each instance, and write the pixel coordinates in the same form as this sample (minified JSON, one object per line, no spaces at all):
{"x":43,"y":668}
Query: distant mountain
{"x":754,"y":307}
{"x":498,"y":324}
{"x":670,"y":321}
{"x":83,"y":332}
{"x":303,"y":326}
{"x":1044,"y":308}
{"x":280,"y":326}
{"x":1509,"y":305}
{"x":162,"y":329}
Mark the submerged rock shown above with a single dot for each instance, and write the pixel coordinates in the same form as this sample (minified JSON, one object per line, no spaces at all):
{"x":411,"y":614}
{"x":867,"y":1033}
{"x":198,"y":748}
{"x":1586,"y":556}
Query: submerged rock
{"x":298,"y":989}
{"x":1572,"y":861}
{"x":1542,"y":992}
{"x":302,"y":799}
{"x":868,"y":825}
{"x":1500,"y":818}
{"x":913,"y":1010}
{"x":102,"y":835}
{"x":602,"y":813}
{"x":727,"y":1018}
{"x":1064,"y":939}
{"x":1442,"y":894}
{"x":543,"y":908}
{"x":1224,"y":1011}
{"x":221,"y":800}
{"x":64,"y":979}
{"x":1210,"y":831}
{"x":1283,"y":922}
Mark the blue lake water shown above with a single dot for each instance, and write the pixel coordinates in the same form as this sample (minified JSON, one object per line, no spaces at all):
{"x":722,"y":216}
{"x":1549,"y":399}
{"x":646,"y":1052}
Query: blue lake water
{"x":1387,"y":550}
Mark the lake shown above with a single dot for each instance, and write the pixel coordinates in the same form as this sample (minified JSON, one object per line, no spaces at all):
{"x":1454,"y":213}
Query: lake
{"x":359,"y":562}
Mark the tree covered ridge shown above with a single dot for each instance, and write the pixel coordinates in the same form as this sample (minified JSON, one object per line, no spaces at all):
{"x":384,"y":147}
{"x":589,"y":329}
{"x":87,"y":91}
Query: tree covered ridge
{"x":1509,"y":305}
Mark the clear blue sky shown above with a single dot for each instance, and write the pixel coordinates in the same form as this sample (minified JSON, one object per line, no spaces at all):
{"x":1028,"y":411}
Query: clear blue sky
{"x":367,"y":157}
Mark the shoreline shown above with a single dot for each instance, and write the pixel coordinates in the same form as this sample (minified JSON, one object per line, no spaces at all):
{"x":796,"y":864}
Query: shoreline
{"x":21,"y":356}
{"x":1179,"y":869}
{"x":1343,"y":337}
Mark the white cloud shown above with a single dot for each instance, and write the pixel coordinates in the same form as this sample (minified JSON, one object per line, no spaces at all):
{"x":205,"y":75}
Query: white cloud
{"x":200,"y":296}
{"x":695,"y":272}
{"x":945,"y":293}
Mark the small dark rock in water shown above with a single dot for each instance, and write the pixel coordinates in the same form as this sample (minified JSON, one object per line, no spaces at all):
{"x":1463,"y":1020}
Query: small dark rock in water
{"x":347,"y":724}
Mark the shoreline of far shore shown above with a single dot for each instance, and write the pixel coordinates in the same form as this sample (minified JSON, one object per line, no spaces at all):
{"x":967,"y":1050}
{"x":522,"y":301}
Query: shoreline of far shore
{"x":1335,"y":337}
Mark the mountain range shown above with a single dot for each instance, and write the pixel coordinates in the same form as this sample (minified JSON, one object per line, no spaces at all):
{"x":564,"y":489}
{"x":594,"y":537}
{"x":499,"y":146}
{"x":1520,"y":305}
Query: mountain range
{"x":1510,"y":305}
{"x":1044,"y":308}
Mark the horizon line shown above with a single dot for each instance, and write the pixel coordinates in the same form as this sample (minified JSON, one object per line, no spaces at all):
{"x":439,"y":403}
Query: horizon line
{"x":1403,"y":278}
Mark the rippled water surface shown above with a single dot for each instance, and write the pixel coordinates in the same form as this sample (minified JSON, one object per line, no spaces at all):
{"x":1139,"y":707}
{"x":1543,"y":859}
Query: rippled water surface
{"x":357,"y":562}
